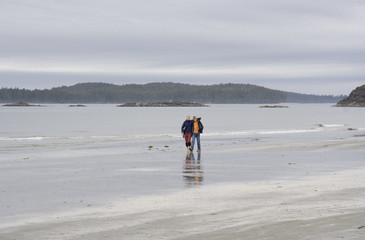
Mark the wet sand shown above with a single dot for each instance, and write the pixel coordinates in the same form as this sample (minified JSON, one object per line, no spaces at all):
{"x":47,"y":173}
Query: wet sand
{"x":327,"y":204}
{"x":325,"y":207}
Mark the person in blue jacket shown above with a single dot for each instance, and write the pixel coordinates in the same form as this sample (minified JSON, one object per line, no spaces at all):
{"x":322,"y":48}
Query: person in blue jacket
{"x":186,"y":130}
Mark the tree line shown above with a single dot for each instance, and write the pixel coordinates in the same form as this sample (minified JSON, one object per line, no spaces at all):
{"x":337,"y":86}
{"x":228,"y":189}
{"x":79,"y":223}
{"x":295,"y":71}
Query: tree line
{"x":153,"y":92}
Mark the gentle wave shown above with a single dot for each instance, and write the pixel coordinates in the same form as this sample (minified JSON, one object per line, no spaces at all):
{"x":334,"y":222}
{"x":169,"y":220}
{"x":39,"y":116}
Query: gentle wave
{"x":264,"y":132}
{"x":121,"y":137}
{"x":147,"y":136}
{"x":35,"y":138}
{"x":318,"y":128}
{"x":333,"y":125}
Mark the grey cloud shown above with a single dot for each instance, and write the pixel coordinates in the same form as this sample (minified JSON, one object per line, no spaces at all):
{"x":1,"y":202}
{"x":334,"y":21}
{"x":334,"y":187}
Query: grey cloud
{"x":197,"y":34}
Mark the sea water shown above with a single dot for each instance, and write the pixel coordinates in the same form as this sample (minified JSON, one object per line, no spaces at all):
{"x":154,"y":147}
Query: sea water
{"x":55,"y":126}
{"x":58,"y":158}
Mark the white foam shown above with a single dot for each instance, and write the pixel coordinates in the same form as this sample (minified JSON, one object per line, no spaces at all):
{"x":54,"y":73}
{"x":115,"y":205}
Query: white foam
{"x":333,"y":125}
{"x":34,"y":138}
{"x":264,"y":132}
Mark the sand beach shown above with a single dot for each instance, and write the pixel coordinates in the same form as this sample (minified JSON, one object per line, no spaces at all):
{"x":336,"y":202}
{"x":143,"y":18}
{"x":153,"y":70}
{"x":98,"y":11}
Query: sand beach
{"x":326,"y":204}
{"x":293,"y":183}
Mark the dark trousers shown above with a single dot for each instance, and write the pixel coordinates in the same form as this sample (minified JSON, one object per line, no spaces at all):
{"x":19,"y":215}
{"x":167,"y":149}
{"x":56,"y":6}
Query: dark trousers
{"x":187,"y":139}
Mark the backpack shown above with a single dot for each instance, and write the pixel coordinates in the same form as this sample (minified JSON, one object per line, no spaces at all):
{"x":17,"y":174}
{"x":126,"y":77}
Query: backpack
{"x":201,"y":127}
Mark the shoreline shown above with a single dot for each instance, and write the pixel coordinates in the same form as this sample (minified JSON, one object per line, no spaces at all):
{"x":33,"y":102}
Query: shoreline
{"x":274,"y":188}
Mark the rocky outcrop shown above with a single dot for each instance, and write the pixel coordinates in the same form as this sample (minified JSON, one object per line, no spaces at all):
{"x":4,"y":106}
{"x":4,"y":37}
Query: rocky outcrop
{"x":76,"y":105}
{"x":355,"y":99}
{"x":163,"y":104}
{"x":20,"y":104}
{"x":273,"y":106}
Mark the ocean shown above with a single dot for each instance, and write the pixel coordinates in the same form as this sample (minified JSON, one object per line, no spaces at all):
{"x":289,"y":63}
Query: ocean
{"x":48,"y":128}
{"x":57,"y":158}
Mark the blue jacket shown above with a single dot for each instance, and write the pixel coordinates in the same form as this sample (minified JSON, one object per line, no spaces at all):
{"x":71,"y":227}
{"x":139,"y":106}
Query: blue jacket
{"x":187,"y":126}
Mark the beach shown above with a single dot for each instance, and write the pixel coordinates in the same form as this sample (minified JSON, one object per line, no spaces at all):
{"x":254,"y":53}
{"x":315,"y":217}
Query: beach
{"x":294,"y":183}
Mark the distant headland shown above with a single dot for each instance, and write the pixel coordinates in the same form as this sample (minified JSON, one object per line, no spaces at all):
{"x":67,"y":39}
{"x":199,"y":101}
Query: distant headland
{"x":161,"y":92}
{"x":355,"y":99}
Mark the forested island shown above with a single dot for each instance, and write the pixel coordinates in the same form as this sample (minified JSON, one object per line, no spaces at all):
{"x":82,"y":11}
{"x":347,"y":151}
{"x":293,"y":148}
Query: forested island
{"x":160,"y":92}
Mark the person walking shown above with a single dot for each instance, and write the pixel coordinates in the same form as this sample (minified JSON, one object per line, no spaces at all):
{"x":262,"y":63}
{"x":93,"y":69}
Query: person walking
{"x":186,"y":130}
{"x":197,"y":130}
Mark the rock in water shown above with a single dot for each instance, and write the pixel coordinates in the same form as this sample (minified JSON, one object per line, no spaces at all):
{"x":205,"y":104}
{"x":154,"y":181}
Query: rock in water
{"x":20,"y":104}
{"x":76,"y":105}
{"x":163,"y":104}
{"x":273,"y":106}
{"x":356,"y":98}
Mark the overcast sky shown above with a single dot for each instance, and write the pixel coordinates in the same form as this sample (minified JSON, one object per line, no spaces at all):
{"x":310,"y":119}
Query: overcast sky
{"x":306,"y":46}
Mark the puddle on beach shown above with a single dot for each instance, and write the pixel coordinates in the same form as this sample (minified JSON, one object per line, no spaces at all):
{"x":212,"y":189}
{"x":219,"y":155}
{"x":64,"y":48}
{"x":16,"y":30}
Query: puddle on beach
{"x":193,"y":170}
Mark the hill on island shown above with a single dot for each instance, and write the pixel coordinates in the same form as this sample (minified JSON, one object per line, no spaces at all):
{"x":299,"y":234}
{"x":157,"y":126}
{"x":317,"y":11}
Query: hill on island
{"x":154,"y":92}
{"x":355,"y":99}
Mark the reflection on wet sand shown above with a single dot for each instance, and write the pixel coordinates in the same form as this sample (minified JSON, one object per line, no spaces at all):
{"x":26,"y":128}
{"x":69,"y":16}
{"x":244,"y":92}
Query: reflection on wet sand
{"x":193,"y":172}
